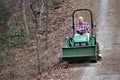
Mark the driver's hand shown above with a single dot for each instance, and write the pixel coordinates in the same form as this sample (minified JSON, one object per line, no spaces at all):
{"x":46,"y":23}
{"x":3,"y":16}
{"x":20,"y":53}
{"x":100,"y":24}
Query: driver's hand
{"x":80,"y":31}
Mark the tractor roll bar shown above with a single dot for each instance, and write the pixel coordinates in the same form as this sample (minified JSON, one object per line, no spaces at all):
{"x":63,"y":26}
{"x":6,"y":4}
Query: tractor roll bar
{"x":82,"y":10}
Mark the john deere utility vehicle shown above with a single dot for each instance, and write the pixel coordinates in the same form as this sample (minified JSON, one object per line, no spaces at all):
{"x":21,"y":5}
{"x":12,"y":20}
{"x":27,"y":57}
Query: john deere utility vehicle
{"x":80,"y":47}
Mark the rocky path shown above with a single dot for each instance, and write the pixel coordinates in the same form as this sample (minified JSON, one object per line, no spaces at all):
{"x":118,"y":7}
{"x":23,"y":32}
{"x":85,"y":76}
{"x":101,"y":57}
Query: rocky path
{"x":107,"y":16}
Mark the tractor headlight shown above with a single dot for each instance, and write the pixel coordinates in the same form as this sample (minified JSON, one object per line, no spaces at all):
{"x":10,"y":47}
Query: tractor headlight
{"x":83,"y":44}
{"x":77,"y":44}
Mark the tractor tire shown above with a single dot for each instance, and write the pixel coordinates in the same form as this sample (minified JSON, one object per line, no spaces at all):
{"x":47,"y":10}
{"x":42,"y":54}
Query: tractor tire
{"x":97,"y":47}
{"x":98,"y":51}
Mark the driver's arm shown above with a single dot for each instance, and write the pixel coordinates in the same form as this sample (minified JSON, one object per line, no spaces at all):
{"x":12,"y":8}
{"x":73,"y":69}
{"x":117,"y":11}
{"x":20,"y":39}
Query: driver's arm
{"x":77,"y":28}
{"x":88,"y":28}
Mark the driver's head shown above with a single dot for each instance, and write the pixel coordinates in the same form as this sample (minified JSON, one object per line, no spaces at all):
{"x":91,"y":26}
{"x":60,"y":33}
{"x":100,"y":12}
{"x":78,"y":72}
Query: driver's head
{"x":80,"y":19}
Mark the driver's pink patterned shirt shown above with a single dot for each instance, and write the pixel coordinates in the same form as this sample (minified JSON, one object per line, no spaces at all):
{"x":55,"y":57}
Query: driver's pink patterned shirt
{"x":83,"y":27}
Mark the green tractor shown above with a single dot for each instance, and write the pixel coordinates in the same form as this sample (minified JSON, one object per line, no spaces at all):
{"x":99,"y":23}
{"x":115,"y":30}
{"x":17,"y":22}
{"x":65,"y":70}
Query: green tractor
{"x":80,"y":47}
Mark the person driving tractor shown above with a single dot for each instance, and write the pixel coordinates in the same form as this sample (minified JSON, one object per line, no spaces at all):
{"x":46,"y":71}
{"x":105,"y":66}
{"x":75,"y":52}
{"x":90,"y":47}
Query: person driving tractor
{"x":82,"y":28}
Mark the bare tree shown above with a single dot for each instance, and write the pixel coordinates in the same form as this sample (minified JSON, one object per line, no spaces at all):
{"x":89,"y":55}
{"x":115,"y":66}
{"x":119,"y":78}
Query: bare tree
{"x":22,"y":5}
{"x":37,"y":10}
{"x":46,"y":5}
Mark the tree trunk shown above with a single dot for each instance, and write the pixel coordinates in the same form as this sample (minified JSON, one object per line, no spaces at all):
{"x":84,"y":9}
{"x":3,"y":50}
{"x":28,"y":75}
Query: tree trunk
{"x":22,"y":3}
{"x":46,"y":41}
{"x":38,"y":24}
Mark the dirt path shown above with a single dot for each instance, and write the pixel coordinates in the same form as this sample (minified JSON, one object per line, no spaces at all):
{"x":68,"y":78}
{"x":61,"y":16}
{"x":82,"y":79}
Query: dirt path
{"x":107,"y":16}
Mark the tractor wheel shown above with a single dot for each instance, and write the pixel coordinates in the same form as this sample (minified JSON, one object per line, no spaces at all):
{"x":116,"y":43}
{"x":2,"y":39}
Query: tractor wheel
{"x":99,"y":55}
{"x":97,"y":47}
